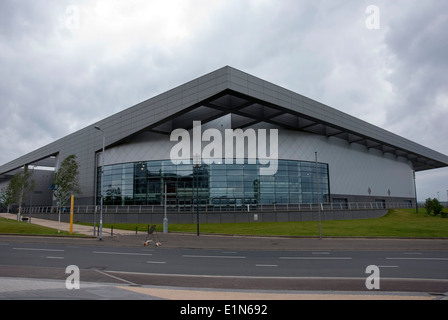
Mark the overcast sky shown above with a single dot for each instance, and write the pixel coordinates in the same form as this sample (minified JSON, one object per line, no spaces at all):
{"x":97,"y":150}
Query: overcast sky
{"x":67,"y":64}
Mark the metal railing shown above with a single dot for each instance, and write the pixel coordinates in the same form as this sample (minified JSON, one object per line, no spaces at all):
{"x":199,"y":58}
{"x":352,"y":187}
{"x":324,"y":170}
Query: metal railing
{"x":188,"y":208}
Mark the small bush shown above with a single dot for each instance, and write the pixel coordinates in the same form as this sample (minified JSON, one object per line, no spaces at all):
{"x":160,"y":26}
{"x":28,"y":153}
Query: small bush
{"x":434,"y":206}
{"x":437,"y":207}
{"x":429,"y":206}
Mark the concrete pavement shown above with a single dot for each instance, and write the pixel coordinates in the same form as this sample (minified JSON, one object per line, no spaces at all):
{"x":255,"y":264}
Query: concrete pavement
{"x":63,"y":226}
{"x":45,"y":289}
{"x":16,"y":288}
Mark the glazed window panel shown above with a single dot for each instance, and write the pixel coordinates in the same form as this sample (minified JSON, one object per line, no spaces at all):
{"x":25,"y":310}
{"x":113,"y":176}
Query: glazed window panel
{"x":142,"y":183}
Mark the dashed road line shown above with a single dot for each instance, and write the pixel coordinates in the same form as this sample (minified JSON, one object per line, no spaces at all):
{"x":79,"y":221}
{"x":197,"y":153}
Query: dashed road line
{"x":38,"y":249}
{"x":214,"y":257}
{"x":427,"y":259}
{"x":123,"y":253}
{"x":315,"y":258}
{"x":267,"y":265}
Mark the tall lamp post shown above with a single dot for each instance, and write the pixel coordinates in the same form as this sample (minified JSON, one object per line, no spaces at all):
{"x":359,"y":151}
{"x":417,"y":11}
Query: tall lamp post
{"x":100,"y":233}
{"x":415,"y":192}
{"x":318,"y":196}
{"x":165,"y":219}
{"x":197,"y":165}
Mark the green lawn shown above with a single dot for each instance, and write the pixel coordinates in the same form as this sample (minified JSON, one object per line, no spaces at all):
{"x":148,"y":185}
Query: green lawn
{"x":19,"y":227}
{"x":397,"y":223}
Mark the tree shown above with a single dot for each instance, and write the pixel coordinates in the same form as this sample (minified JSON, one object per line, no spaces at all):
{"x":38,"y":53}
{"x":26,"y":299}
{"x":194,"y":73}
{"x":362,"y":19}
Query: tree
{"x":6,"y":196}
{"x":21,"y":184}
{"x":437,"y":206}
{"x":434,"y":206}
{"x":65,"y":181}
{"x":429,"y":206}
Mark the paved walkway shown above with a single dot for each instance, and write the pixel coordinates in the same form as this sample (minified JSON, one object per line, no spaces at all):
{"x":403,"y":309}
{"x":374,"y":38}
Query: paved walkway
{"x":17,"y":288}
{"x":63,"y":226}
{"x":44,"y":289}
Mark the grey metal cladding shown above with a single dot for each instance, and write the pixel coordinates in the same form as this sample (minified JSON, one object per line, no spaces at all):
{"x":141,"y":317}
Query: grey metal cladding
{"x":126,"y":122}
{"x":164,"y":108}
{"x":260,"y":89}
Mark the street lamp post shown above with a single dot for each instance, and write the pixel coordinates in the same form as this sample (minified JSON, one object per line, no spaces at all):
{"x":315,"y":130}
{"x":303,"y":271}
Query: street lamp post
{"x":318,"y":196}
{"x":415,"y":192}
{"x":197,"y":165}
{"x":165,"y":219}
{"x":100,"y":233}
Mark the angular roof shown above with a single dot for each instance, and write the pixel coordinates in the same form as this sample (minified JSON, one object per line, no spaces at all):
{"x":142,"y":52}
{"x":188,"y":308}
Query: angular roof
{"x":250,"y":100}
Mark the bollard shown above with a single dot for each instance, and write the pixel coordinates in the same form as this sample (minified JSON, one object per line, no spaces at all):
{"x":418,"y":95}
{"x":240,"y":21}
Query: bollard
{"x":112,"y":230}
{"x":136,"y":230}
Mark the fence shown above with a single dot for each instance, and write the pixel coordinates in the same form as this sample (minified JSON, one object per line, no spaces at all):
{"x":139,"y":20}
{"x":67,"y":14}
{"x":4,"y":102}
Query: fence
{"x":149,"y":209}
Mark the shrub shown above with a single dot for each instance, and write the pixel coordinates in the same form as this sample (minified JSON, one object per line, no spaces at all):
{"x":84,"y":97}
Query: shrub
{"x":437,"y":206}
{"x":434,"y":206}
{"x":429,"y":206}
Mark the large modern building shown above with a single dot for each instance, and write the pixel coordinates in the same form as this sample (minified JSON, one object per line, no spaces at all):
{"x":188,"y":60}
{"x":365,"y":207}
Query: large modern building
{"x":229,"y":138}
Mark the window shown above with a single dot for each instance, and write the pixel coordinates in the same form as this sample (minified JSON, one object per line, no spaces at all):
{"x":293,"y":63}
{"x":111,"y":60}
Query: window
{"x":141,"y":183}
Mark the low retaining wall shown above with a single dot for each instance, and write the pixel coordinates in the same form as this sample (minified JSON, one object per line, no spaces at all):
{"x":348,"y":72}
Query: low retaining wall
{"x":224,"y":217}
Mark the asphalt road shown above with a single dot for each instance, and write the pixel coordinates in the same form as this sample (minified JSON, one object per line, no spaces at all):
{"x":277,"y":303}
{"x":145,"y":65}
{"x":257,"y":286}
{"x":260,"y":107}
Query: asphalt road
{"x":338,"y":265}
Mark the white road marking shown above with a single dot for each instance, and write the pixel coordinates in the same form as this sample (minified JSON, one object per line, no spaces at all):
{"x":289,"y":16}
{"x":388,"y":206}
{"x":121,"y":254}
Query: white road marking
{"x":266,"y":265}
{"x":123,"y":253}
{"x":315,"y":258}
{"x":37,"y":249}
{"x":115,"y":277}
{"x":216,"y":257}
{"x":429,"y":259}
{"x":387,"y":266}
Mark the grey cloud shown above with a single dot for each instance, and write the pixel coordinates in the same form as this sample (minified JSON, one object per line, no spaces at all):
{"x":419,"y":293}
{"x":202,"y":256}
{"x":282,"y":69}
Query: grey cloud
{"x":417,"y":40}
{"x":28,"y":19}
{"x":53,"y":84}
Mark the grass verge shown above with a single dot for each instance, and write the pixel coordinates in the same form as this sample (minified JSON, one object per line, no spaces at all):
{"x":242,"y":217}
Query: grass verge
{"x":10,"y":226}
{"x":396,"y":223}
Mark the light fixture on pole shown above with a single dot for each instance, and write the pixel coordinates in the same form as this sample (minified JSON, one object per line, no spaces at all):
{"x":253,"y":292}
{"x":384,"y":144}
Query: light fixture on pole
{"x":165,"y":219}
{"x":196,"y":166}
{"x":415,"y":192}
{"x":318,"y":196}
{"x":100,"y":233}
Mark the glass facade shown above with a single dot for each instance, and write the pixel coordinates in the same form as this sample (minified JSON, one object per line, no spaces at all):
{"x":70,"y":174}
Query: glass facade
{"x":142,"y":183}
